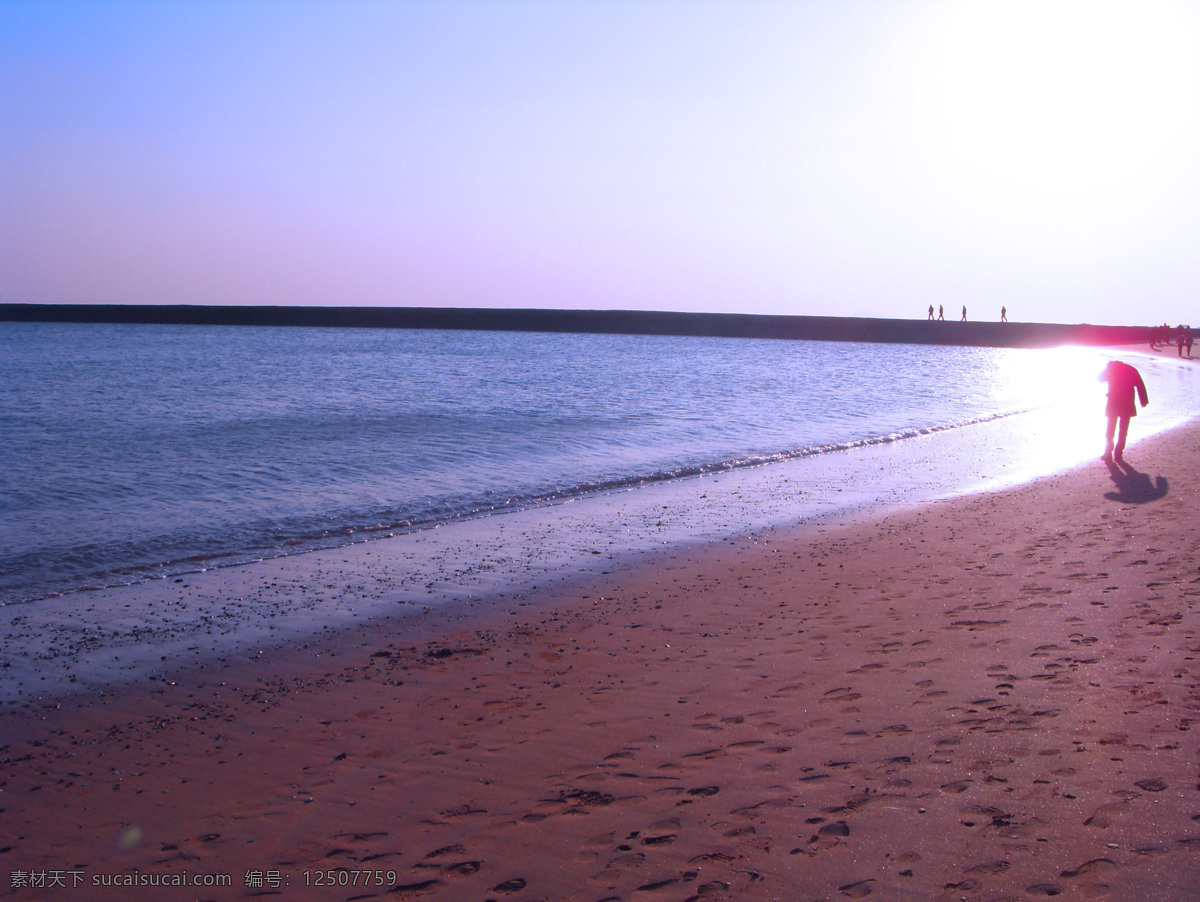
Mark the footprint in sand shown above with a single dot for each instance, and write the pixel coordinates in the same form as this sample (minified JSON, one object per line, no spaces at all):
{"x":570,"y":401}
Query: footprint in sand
{"x":462,"y":868}
{"x":1092,"y":874}
{"x":746,"y":744}
{"x":1044,"y":889}
{"x":628,"y":860}
{"x":381,"y":856}
{"x":1102,"y":817}
{"x":510,"y":886}
{"x":415,"y":890}
{"x":662,"y":839}
{"x":858,"y":890}
{"x":830,"y":835}
{"x":444,"y":851}
{"x":685,"y":877}
{"x":841,"y":694}
{"x":988,"y":867}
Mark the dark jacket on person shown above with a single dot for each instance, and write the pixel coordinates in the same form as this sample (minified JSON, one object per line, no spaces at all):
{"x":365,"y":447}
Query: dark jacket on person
{"x":1123,"y":380}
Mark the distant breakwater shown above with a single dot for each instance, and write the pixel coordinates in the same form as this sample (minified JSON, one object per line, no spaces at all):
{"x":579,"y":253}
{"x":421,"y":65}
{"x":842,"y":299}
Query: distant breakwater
{"x":625,"y":322}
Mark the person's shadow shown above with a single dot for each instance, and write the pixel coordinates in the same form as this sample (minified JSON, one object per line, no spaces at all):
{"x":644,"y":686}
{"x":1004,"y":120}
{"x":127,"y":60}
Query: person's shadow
{"x":1132,"y":486}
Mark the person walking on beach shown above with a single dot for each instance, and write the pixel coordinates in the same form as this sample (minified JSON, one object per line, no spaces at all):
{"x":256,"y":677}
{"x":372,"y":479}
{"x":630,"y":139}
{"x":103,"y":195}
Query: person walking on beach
{"x":1123,"y":380}
{"x":941,"y":313}
{"x":1187,"y":339}
{"x":1003,"y":314}
{"x":931,"y":311}
{"x":964,"y":316}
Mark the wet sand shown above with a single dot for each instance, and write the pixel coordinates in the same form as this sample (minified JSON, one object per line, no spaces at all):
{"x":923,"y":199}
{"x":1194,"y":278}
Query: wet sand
{"x":983,"y":698}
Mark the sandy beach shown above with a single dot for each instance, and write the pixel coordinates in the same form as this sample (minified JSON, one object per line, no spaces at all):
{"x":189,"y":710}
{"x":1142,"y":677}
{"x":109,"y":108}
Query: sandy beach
{"x":982,"y":698}
{"x":599,"y":452}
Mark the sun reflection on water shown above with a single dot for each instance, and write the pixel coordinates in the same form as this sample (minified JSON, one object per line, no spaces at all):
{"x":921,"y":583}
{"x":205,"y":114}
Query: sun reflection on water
{"x":1065,"y":399}
{"x":1060,"y":388}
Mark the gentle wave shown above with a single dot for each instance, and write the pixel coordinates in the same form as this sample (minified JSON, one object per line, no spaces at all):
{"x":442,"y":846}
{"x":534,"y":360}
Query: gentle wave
{"x":757,"y":460}
{"x":355,"y":533}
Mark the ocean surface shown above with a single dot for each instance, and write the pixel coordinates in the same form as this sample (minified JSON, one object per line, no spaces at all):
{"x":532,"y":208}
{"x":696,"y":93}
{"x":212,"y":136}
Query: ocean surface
{"x":136,"y":452}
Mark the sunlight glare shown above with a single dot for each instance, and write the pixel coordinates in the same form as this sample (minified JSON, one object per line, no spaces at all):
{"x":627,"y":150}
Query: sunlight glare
{"x":1060,"y":108}
{"x":1061,"y":387}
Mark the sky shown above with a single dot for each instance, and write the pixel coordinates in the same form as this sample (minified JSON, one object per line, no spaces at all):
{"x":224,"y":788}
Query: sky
{"x":829,"y":157}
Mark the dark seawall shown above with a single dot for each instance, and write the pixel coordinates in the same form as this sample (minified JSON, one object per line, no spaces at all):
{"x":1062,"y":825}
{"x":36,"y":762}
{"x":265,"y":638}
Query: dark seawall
{"x":628,"y":322}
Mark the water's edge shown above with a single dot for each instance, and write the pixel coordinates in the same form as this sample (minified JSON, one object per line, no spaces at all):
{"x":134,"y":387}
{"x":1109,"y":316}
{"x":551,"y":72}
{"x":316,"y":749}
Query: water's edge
{"x":355,"y":534}
{"x":88,"y":641}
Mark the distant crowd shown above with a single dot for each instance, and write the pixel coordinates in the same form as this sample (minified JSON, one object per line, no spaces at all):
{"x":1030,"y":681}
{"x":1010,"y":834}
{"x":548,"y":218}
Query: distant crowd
{"x":1165,"y":336}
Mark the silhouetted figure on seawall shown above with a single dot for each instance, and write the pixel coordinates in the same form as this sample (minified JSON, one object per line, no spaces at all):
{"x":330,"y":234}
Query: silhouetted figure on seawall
{"x":1123,"y":380}
{"x":931,"y":311}
{"x":941,"y":313}
{"x":1003,"y":314}
{"x":964,"y":316}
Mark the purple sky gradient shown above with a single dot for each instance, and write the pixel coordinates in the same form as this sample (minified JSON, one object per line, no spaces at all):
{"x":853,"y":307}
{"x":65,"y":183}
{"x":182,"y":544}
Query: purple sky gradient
{"x":833,"y":157}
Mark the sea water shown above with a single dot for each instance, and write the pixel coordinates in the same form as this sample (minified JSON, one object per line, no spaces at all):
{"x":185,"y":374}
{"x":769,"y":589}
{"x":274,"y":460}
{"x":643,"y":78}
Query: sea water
{"x":130,"y":452}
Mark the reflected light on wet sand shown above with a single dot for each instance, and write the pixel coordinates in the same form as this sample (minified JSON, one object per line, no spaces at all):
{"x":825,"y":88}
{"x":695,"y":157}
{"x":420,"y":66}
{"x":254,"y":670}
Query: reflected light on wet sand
{"x":1066,"y":399}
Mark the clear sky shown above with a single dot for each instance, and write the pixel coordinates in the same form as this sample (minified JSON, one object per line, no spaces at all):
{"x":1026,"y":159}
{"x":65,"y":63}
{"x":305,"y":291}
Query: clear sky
{"x":831,"y":157}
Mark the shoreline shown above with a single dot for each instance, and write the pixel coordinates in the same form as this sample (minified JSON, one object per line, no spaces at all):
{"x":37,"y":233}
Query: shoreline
{"x":99,"y":639}
{"x":987,"y":696}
